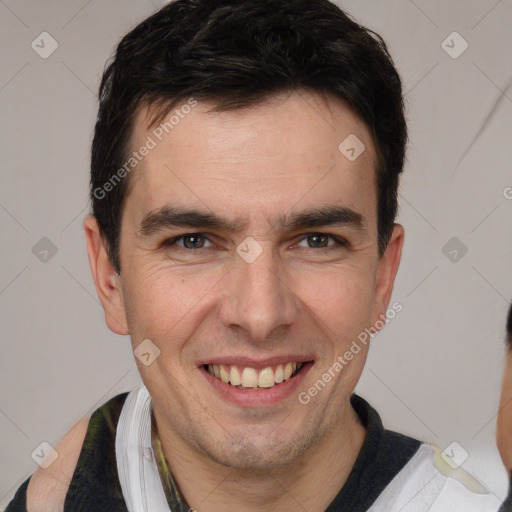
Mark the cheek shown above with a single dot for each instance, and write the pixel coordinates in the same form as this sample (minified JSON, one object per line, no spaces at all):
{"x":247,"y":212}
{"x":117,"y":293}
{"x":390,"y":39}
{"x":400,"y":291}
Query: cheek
{"x":342,"y":299}
{"x":504,"y":436}
{"x":156,"y":301}
{"x":164,"y":302}
{"x":504,"y":422}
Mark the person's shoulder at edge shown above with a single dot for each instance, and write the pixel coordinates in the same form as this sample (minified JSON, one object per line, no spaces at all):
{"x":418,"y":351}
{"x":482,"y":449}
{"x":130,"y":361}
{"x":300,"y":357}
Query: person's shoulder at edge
{"x":47,"y":488}
{"x":461,"y":489}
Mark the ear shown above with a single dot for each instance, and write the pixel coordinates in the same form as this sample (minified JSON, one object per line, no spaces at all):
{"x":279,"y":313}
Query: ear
{"x":387,"y":268}
{"x":106,"y":279}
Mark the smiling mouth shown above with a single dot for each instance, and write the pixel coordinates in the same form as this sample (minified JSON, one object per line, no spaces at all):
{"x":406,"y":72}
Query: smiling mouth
{"x":245,"y":377}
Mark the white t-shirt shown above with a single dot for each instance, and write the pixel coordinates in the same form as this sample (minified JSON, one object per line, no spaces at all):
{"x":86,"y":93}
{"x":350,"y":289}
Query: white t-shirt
{"x":428,"y":483}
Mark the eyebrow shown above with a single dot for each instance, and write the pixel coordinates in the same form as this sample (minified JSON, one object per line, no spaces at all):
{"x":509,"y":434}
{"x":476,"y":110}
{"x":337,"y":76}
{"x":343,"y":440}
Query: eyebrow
{"x":169,"y":217}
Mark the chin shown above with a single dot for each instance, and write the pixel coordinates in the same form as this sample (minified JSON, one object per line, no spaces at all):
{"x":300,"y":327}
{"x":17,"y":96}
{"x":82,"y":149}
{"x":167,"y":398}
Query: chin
{"x":249,"y":457}
{"x":260,"y":453}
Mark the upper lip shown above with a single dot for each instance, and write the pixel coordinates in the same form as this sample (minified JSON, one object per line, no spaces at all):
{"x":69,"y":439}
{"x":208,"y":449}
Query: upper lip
{"x":256,"y":363}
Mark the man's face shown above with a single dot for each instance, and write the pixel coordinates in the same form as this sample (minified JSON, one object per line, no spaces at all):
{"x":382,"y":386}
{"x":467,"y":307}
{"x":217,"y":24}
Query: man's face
{"x":504,"y":423}
{"x":212,"y":299}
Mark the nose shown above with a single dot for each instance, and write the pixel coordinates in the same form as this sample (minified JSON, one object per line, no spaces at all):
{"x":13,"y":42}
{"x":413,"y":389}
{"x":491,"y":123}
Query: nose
{"x":258,"y":299}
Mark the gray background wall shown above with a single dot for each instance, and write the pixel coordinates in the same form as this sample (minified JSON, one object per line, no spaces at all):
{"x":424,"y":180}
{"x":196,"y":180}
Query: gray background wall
{"x":433,"y":373}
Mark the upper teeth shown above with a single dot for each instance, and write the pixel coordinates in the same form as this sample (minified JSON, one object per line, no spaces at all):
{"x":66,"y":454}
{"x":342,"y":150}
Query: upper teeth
{"x":248,"y":377}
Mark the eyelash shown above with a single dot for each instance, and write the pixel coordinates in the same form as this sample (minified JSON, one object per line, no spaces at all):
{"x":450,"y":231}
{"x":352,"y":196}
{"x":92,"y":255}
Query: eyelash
{"x":339,"y":241}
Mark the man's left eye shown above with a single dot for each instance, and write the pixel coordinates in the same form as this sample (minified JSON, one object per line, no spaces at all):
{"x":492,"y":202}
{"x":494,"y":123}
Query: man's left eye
{"x":321,"y":240}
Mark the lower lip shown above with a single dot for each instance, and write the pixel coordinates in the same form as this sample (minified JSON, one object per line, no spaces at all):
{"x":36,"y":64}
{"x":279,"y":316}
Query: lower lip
{"x":260,"y":397}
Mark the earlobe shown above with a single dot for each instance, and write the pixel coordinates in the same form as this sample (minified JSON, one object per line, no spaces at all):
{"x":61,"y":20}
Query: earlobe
{"x":386,"y":272}
{"x":106,"y":279}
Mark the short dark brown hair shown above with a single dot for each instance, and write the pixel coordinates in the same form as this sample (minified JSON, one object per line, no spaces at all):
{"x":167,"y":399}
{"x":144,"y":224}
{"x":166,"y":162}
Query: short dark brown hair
{"x":238,"y":53}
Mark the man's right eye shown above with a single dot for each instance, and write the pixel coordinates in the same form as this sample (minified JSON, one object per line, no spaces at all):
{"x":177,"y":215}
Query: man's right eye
{"x":188,"y":241}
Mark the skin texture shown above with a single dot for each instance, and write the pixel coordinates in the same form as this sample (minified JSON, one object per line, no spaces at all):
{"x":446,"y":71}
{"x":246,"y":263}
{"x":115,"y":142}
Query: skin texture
{"x":504,"y":422}
{"x":257,"y":164}
{"x":47,"y":488}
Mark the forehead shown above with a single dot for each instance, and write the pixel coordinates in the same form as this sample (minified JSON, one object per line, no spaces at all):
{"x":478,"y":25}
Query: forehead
{"x":290,"y":149}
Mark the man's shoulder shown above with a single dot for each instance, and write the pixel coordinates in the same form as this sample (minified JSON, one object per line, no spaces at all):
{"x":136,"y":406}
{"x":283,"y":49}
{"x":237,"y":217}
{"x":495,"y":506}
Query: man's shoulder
{"x":432,"y":481}
{"x":47,"y":488}
{"x":461,"y":490}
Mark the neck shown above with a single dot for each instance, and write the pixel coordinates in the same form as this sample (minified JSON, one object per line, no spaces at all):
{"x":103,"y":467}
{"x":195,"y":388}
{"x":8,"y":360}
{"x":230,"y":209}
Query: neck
{"x":313,"y":480}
